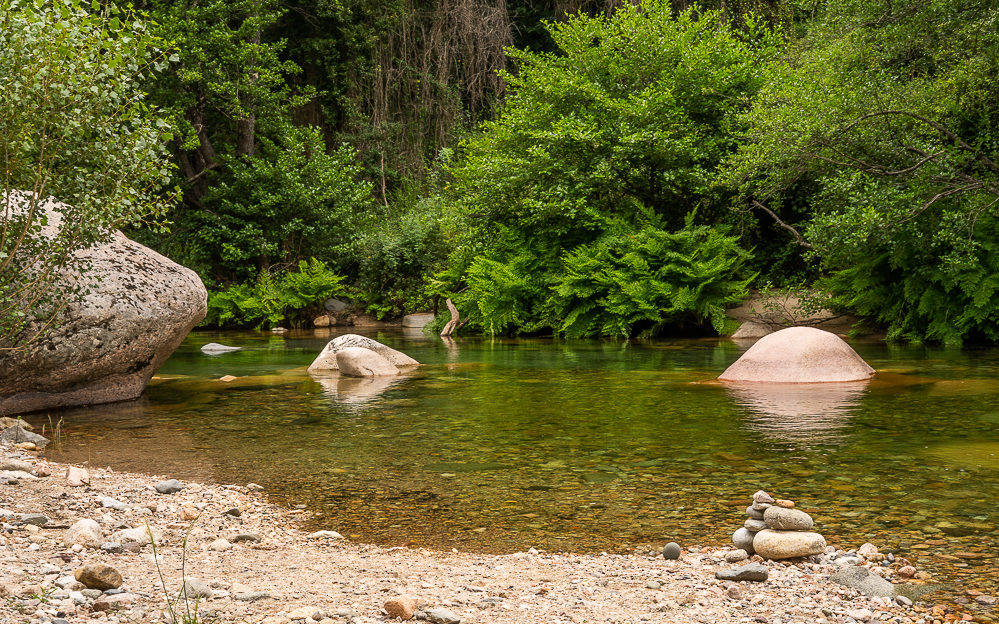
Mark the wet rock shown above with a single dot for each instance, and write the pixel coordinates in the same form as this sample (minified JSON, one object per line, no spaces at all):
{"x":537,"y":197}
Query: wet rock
{"x":671,"y":551}
{"x":85,"y":532}
{"x":77,"y":477}
{"x":736,"y":555}
{"x":99,"y":576}
{"x":743,"y":539}
{"x":753,"y":572}
{"x":442,"y":616}
{"x":787,"y":544}
{"x":170,"y":486}
{"x":402,"y":607}
{"x":785,"y":519}
{"x":214,"y":348}
{"x":861,"y":579}
{"x":360,"y":362}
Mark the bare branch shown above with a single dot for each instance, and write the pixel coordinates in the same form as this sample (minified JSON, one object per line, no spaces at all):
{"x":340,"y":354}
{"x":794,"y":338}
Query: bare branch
{"x":797,"y":235}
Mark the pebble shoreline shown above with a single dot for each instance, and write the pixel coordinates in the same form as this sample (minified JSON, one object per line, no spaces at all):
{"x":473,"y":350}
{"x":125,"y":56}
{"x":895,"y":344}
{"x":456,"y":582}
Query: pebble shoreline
{"x":249,"y":563}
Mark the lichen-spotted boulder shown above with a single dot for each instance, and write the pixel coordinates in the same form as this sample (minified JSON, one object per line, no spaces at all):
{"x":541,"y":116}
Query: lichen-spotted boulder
{"x":137,"y":308}
{"x":799,"y":355}
{"x":327,"y":360}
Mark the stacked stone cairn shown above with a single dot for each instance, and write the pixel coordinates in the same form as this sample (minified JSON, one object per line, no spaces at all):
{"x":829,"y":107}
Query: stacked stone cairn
{"x":774,"y":529}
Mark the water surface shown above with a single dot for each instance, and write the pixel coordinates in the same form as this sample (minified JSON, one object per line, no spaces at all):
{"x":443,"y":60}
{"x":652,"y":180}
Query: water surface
{"x":500,"y":445}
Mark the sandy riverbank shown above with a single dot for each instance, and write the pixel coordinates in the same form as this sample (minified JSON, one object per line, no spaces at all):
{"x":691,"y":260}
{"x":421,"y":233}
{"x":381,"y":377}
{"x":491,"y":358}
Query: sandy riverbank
{"x":269,"y":571}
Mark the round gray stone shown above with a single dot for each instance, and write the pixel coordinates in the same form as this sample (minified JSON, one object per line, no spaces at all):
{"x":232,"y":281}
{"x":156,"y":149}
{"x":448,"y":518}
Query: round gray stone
{"x":743,"y":539}
{"x":755,"y":514}
{"x":756,"y":525}
{"x":671,"y":551}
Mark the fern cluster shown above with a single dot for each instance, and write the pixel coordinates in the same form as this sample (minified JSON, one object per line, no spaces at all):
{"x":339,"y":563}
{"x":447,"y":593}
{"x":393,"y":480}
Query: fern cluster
{"x":272,"y":299}
{"x":648,"y":281}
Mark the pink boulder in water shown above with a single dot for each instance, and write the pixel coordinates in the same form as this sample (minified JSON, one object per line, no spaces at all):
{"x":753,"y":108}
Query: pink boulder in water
{"x":799,"y":355}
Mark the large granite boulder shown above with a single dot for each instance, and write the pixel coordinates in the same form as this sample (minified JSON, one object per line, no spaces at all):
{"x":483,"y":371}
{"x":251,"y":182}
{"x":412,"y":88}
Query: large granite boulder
{"x":799,"y":355}
{"x":360,"y":362}
{"x":137,"y":308}
{"x":327,"y":360}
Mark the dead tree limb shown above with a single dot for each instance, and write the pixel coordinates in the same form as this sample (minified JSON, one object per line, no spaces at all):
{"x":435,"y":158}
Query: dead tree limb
{"x":797,"y":235}
{"x":452,"y":325}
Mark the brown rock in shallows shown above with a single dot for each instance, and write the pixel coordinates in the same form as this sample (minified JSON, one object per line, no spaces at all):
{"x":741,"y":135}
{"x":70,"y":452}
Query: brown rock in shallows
{"x":99,"y":576}
{"x":402,"y":607}
{"x":799,"y":355}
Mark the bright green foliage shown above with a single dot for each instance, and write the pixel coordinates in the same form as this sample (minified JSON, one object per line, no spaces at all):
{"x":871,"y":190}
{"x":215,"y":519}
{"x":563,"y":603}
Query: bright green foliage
{"x":636,"y":112}
{"x":74,"y":127}
{"x":294,"y":201}
{"x":880,"y":141}
{"x":272,"y":299}
{"x":626,"y":126}
{"x":650,"y":280}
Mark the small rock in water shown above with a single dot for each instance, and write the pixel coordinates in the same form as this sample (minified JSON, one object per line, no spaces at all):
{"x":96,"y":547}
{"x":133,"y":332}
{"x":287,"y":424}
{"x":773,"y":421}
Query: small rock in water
{"x":671,"y":551}
{"x":214,"y":347}
{"x":99,"y":576}
{"x":170,"y":486}
{"x":254,"y":487}
{"x":442,"y":616}
{"x":77,"y":477}
{"x":786,"y":504}
{"x":907,"y":571}
{"x":228,"y":378}
{"x":402,"y":607}
{"x":736,"y":555}
{"x":753,"y":572}
{"x":867,"y":550}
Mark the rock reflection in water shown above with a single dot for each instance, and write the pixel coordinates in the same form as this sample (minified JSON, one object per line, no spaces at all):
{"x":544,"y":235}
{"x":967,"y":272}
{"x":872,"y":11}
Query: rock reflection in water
{"x":799,"y":413}
{"x":354,"y":390}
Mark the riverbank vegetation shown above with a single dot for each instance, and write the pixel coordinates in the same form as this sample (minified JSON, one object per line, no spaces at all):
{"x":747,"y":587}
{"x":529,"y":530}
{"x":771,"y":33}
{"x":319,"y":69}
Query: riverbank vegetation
{"x":583,"y":167}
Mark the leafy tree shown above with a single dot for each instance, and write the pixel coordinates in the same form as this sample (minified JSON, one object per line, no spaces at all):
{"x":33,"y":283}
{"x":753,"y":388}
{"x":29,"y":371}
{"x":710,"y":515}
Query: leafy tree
{"x":887,"y":118}
{"x":626,"y":125}
{"x":75,"y":127}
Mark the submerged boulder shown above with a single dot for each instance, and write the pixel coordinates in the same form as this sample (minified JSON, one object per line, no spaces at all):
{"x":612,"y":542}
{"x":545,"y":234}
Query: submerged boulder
{"x":360,"y":362}
{"x":799,"y":355}
{"x":137,"y":308}
{"x":327,"y":360}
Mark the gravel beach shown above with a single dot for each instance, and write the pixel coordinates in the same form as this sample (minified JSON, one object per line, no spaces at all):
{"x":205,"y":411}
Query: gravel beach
{"x":247,"y":561}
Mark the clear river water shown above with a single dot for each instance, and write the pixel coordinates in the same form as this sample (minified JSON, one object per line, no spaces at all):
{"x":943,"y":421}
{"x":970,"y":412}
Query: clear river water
{"x":499,"y":445}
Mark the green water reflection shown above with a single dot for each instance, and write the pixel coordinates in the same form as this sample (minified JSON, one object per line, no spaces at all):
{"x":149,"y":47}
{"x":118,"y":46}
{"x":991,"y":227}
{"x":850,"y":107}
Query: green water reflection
{"x":500,"y":445}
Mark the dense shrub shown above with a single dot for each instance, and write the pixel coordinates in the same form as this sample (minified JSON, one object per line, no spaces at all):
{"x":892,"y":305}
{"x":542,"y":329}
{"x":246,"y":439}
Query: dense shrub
{"x":273,"y":299}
